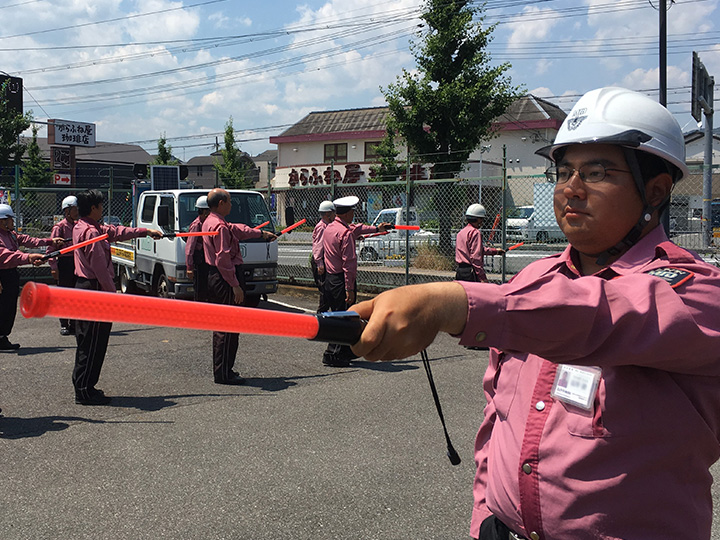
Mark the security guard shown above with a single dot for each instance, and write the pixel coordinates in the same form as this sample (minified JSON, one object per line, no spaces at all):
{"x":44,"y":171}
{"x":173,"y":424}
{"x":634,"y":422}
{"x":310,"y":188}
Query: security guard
{"x":197,"y":268}
{"x":225,"y":276}
{"x":10,"y":259}
{"x":341,"y":268}
{"x":317,"y":261}
{"x":469,"y":249}
{"x":63,"y":267}
{"x":94,"y":271}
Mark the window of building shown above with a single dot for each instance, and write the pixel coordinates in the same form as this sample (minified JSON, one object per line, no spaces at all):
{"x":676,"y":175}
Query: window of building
{"x":199,"y":170}
{"x":371,"y":150}
{"x":336,"y":152}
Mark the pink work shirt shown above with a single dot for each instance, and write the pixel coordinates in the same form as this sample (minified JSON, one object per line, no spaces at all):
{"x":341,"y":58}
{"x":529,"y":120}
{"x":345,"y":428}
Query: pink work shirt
{"x":223,"y":250}
{"x":318,"y":251}
{"x":636,"y":466}
{"x":469,"y":249}
{"x":339,"y":247}
{"x":94,"y":261}
{"x":10,"y":256}
{"x":62,"y":229}
{"x":193,"y":243}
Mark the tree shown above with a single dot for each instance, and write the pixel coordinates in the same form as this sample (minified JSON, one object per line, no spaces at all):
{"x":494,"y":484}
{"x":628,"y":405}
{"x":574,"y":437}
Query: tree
{"x":12,"y":124}
{"x":446,"y":108}
{"x":233,"y":171}
{"x":164,"y":156}
{"x":36,"y":172}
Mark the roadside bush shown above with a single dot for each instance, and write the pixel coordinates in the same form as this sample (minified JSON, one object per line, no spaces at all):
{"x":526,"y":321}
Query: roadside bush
{"x":429,"y":257}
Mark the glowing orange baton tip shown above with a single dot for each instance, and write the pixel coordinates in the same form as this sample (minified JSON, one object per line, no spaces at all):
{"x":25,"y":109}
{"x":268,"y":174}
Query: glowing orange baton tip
{"x":407,"y":227}
{"x":293,"y":226}
{"x":261,"y":225}
{"x":515,"y":246}
{"x":68,"y":249}
{"x":187,"y":234}
{"x":40,"y":300}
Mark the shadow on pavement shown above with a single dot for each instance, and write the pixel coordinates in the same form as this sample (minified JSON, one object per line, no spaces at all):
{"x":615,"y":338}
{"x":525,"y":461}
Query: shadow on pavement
{"x":22,"y":428}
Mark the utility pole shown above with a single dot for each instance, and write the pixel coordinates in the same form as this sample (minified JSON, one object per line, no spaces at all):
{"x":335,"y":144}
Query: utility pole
{"x":663,"y":52}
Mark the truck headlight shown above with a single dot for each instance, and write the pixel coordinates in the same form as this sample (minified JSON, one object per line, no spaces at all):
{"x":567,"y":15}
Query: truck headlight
{"x":264,"y":273}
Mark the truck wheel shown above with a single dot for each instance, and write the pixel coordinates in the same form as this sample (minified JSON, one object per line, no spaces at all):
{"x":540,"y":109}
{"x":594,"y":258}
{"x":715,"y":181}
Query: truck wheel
{"x":251,"y":300}
{"x":543,"y":237}
{"x":162,"y":287}
{"x":127,"y":285}
{"x":368,"y":254}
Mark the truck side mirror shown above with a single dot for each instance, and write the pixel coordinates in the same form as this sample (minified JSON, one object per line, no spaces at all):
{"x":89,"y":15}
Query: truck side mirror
{"x":163,"y":216}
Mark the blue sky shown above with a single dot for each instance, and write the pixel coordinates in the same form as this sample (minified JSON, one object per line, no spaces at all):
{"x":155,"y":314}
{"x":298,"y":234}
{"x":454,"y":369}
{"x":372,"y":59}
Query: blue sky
{"x":142,"y":68}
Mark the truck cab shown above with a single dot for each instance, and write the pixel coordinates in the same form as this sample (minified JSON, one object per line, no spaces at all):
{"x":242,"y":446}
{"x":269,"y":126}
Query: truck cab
{"x":393,"y":243}
{"x":159,"y":266}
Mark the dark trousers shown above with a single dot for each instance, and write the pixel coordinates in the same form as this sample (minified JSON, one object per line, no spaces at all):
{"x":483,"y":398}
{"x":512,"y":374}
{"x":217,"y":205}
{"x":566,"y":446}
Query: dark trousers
{"x":320,"y":283}
{"x":92,"y":341}
{"x":225,"y":344}
{"x":10,"y":279}
{"x":493,"y":529}
{"x":66,"y":278}
{"x":200,"y":276}
{"x":335,"y":298}
{"x":465,"y":272}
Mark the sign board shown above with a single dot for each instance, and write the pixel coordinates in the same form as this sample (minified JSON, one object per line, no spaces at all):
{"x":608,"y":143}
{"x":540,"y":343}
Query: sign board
{"x":164,"y":177}
{"x":71,"y":133}
{"x":13,"y":92}
{"x":62,"y":179}
{"x":702,"y":90}
{"x":60,"y":157}
{"x":4,"y":196}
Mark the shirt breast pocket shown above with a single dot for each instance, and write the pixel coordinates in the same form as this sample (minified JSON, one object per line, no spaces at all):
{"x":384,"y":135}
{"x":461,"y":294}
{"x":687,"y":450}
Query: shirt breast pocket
{"x":506,"y":383}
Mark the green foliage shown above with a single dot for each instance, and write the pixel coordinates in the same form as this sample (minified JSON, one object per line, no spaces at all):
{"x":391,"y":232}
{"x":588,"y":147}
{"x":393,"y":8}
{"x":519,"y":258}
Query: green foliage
{"x":446,"y":107}
{"x":164,"y":155}
{"x":235,"y":164}
{"x":36,"y":171}
{"x":389,"y":169}
{"x":12,"y":125}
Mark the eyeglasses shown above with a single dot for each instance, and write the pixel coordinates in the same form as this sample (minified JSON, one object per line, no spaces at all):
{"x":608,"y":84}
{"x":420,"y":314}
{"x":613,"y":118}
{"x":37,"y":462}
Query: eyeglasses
{"x":590,"y":173}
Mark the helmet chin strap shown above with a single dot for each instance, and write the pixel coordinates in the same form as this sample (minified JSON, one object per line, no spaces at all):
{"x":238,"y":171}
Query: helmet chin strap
{"x":635,"y":233}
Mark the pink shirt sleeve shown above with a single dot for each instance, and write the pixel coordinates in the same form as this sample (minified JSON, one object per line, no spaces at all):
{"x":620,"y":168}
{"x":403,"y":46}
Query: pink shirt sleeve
{"x":349,"y":261}
{"x":318,"y":250}
{"x":192,"y":243}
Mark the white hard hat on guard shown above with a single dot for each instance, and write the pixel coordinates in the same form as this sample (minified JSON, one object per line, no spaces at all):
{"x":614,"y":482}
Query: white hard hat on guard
{"x":625,"y":118}
{"x":6,"y":211}
{"x":202,"y":202}
{"x":475,"y":211}
{"x":326,"y":206}
{"x":70,"y":200}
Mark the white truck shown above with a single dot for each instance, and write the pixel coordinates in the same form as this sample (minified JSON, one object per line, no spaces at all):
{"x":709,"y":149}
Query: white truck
{"x":535,"y":223}
{"x":393,"y":243}
{"x":158,"y":266}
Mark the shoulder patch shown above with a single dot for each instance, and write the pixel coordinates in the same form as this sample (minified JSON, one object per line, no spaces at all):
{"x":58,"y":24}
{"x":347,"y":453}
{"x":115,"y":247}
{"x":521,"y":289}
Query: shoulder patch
{"x":674,"y":276}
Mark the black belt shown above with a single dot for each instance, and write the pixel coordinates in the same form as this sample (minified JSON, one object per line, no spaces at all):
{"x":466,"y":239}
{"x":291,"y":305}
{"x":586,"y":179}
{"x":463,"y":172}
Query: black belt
{"x":464,"y":265}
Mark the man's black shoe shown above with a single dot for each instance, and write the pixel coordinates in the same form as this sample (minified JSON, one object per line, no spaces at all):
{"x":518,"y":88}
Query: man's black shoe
{"x":96,"y":397}
{"x":233,"y":380}
{"x":5,"y":345}
{"x":64,"y":331}
{"x":336,"y":363}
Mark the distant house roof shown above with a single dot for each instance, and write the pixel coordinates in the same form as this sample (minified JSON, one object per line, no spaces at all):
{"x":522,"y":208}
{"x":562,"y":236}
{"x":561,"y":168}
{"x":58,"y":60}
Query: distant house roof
{"x":104,"y":152}
{"x":269,"y":156}
{"x":528,"y":112}
{"x":696,"y":134}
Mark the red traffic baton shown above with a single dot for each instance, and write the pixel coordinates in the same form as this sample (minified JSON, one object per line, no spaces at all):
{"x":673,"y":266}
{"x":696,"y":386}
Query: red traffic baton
{"x":40,"y":300}
{"x":188,"y":234}
{"x":261,"y":225}
{"x":515,"y":246}
{"x":68,"y":249}
{"x":406,"y":227}
{"x":293,"y":226}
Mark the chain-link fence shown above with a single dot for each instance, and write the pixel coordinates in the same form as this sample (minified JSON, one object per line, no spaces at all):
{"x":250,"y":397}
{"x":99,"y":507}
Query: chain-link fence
{"x":519,"y":217}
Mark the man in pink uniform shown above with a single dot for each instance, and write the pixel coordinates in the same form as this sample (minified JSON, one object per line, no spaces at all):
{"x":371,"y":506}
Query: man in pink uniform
{"x":317,"y":261}
{"x":225,"y":276}
{"x":469,"y":248}
{"x":94,"y":271}
{"x":197,"y":268}
{"x":341,"y":268}
{"x":10,"y":259}
{"x":63,"y":266}
{"x":603,"y":388}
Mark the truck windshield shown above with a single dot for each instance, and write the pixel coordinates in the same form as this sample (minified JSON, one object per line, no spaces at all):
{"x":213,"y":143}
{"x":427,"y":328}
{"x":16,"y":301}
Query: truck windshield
{"x":247,"y":208}
{"x":521,"y":212}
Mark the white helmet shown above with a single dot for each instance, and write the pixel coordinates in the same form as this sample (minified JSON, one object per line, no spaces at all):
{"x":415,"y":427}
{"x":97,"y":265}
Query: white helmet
{"x":475,"y":211}
{"x":70,"y":200}
{"x":619,"y":116}
{"x":201,"y":202}
{"x":6,"y":211}
{"x":326,"y":206}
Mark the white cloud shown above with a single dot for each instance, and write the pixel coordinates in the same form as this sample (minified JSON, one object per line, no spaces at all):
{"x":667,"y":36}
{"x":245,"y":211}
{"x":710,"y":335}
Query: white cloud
{"x":533,"y":24}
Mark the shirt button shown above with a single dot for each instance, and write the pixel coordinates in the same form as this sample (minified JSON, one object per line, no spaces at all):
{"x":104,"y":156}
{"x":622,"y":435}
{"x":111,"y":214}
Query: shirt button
{"x":540,"y":405}
{"x":527,"y":468}
{"x":480,"y":336}
{"x":534,"y":536}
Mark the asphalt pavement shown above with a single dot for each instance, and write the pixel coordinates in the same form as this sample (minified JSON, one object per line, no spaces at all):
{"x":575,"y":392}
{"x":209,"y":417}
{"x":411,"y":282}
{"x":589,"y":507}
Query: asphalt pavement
{"x":302,"y":451}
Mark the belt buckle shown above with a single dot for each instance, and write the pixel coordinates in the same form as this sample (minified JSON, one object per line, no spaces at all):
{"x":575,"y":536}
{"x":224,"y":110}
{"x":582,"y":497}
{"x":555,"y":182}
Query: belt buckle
{"x":513,"y":536}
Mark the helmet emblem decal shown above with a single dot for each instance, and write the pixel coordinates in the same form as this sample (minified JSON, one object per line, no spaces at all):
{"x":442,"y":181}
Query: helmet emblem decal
{"x":577,"y":118}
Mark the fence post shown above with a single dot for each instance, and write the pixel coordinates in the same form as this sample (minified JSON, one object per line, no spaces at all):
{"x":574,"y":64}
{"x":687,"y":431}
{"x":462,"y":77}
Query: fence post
{"x":407,"y":220}
{"x":503,"y":220}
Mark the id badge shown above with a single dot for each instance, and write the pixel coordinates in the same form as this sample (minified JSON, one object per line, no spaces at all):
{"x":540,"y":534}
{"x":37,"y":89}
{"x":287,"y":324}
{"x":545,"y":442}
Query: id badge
{"x":576,"y":385}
